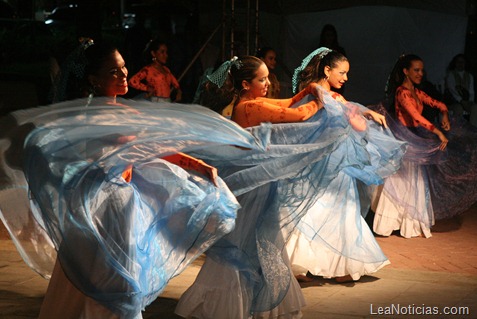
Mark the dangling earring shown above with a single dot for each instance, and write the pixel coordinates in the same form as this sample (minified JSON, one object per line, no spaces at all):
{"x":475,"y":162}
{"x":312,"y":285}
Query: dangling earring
{"x":154,"y":59}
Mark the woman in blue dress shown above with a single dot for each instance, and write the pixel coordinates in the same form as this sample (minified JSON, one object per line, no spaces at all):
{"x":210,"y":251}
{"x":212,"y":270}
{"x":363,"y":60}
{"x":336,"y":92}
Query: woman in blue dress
{"x":333,"y":240}
{"x":99,"y":195}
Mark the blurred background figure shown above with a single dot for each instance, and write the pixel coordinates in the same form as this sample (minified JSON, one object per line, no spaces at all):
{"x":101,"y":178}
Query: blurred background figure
{"x":329,"y":39}
{"x":269,"y":56}
{"x":155,"y":79}
{"x":459,"y":92}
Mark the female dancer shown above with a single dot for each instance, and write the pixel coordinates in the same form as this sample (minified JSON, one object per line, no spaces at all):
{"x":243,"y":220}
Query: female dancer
{"x":247,"y":273}
{"x":438,"y":172}
{"x":155,"y":78}
{"x":113,"y":199}
{"x":333,"y":240}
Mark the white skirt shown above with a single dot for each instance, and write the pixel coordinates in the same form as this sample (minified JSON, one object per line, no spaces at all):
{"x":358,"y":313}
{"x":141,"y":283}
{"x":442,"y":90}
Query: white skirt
{"x":217,"y":293}
{"x":404,"y":204}
{"x":333,"y":239}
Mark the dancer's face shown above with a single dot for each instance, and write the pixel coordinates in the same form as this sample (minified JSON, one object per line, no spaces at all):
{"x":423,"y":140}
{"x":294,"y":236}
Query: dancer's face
{"x":270,"y":59}
{"x":338,"y":75}
{"x":161,"y":54}
{"x":111,"y":78}
{"x":416,"y":72}
{"x":258,"y":87}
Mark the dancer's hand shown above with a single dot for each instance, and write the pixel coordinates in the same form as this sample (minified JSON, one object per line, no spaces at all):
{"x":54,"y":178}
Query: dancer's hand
{"x":445,"y":124}
{"x":443,"y":139}
{"x":378,"y":118}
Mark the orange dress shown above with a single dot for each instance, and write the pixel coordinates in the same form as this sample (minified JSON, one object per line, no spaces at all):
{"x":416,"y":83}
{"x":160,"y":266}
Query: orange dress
{"x":153,"y":81}
{"x":409,"y":111}
{"x":253,"y":112}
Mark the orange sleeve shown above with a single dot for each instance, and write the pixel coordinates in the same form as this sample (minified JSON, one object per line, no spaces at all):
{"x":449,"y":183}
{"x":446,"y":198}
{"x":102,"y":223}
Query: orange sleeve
{"x":173,"y":79}
{"x":254,"y":112}
{"x":127,"y":173}
{"x":136,"y":80}
{"x":190,"y":163}
{"x":408,"y":104}
{"x":310,"y":89}
{"x":426,"y":99}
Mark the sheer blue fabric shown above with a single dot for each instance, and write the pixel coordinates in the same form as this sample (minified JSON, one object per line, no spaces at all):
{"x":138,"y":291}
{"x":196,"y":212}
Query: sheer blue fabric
{"x":278,"y":187}
{"x":336,"y":220}
{"x":453,"y":183}
{"x":450,"y":175}
{"x":119,"y":242}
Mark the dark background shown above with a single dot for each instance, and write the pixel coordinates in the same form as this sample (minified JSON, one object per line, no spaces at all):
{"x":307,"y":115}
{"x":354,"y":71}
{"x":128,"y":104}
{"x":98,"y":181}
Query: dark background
{"x":27,"y":43}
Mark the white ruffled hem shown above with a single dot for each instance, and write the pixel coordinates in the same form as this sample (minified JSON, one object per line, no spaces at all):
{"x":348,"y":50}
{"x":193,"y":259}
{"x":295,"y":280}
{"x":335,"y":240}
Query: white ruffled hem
{"x":412,"y":213}
{"x":228,"y":298}
{"x":319,"y":260}
{"x":389,"y":217}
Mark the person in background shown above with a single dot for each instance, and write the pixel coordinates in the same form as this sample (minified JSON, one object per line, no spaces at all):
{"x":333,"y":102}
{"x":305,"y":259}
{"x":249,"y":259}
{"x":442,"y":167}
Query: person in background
{"x":460,"y":91}
{"x":155,"y":79}
{"x":66,"y":78}
{"x":329,"y":39}
{"x":269,"y":56}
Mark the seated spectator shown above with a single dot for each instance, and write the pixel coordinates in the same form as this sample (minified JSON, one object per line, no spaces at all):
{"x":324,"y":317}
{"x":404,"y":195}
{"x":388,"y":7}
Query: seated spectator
{"x":460,"y":92}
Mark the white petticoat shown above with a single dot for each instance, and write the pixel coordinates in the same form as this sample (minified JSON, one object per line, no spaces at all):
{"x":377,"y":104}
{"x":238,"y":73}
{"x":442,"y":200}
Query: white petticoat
{"x":217,"y":293}
{"x":411,"y":210}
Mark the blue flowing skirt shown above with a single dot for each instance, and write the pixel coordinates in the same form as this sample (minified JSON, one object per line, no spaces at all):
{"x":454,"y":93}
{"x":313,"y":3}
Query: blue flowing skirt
{"x":278,"y":187}
{"x":120,"y":242}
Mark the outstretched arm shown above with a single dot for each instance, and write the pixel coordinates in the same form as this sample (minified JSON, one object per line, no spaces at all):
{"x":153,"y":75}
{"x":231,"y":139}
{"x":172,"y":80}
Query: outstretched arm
{"x":375,"y":116}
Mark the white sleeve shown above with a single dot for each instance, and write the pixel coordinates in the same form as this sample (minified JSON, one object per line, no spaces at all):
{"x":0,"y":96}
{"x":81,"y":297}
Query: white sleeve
{"x":450,"y":84}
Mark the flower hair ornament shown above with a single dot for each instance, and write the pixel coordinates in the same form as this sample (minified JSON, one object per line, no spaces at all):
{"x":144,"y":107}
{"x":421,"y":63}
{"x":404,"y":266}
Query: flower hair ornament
{"x":219,"y":76}
{"x":320,"y":51}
